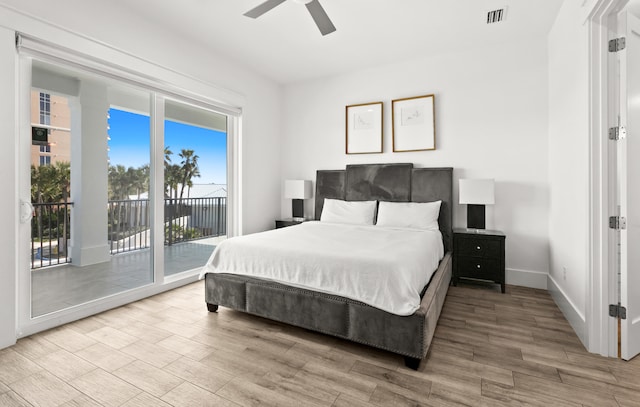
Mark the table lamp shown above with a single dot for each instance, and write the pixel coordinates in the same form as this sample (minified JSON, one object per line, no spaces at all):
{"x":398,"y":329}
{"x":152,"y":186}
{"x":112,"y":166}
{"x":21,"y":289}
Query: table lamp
{"x":476,"y":193}
{"x":297,"y":190}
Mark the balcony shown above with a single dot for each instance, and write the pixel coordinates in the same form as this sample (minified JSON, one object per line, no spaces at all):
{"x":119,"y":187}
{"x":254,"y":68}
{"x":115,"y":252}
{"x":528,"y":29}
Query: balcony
{"x":196,"y":220}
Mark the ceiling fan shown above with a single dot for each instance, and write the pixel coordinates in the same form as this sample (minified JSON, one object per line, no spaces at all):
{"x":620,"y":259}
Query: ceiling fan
{"x":315,"y":9}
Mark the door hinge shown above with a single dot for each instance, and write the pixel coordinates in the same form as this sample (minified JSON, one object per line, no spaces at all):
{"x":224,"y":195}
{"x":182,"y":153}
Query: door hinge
{"x":617,"y":133}
{"x":617,"y":311}
{"x":617,"y":222}
{"x":617,"y":44}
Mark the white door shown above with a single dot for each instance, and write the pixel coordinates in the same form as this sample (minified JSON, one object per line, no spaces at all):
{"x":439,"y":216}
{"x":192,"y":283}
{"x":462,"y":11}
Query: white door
{"x":629,"y":182}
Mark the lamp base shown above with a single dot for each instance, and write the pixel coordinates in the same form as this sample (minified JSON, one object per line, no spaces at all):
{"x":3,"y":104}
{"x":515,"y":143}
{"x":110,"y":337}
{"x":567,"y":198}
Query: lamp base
{"x":475,"y":216}
{"x":297,"y":208}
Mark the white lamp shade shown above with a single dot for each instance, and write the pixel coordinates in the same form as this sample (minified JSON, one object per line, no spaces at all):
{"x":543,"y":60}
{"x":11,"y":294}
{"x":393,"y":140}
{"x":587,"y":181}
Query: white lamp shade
{"x":477,"y":191}
{"x":297,"y":189}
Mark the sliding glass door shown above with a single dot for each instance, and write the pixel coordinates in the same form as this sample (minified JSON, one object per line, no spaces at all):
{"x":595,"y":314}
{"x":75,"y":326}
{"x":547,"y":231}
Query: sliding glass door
{"x":90,"y":231}
{"x":127,"y":186}
{"x":195,"y":185}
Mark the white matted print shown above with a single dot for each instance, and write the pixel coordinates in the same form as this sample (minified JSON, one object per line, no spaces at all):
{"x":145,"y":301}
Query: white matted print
{"x":413,"y":121}
{"x":364,"y":128}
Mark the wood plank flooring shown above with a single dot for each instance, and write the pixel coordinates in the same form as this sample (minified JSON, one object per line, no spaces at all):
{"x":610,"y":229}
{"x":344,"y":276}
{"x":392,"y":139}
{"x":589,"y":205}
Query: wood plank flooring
{"x":490,"y":349}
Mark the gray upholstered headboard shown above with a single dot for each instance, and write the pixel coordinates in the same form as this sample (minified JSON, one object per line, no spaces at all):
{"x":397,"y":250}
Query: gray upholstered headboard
{"x":390,"y":182}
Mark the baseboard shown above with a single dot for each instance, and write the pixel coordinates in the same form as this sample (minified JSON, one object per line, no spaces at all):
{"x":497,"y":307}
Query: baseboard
{"x":86,"y":256}
{"x":7,"y":341}
{"x":525,"y":278}
{"x":570,"y":311}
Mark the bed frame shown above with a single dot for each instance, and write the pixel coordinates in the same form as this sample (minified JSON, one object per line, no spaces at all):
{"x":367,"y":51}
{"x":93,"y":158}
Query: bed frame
{"x":409,"y":336}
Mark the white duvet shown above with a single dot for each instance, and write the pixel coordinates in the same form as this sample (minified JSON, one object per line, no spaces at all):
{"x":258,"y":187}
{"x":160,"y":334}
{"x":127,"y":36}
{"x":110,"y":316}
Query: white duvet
{"x":383,"y":267}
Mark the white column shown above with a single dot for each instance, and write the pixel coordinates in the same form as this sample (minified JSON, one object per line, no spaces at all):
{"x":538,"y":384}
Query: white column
{"x":89,"y":172}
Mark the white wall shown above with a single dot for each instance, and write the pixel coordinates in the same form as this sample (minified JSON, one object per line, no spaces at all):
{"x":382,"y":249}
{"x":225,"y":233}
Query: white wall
{"x":103,"y":30}
{"x":569,"y":162}
{"x":8,"y":184}
{"x":491,"y":121}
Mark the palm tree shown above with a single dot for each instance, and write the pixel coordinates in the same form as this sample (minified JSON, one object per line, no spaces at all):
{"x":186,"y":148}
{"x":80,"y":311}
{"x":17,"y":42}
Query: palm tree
{"x":36,"y":185}
{"x":172,"y":177}
{"x":118,"y":182}
{"x":189,"y":169}
{"x":62,"y":171}
{"x":195,"y":173}
{"x":124,"y":182}
{"x":37,"y":193}
{"x":143,"y":179}
{"x":131,"y":179}
{"x":178,"y":175}
{"x":119,"y":185}
{"x":140,"y":182}
{"x":63,"y":179}
{"x":50,"y":184}
{"x":45,"y":184}
{"x":167,"y":155}
{"x":170,"y":173}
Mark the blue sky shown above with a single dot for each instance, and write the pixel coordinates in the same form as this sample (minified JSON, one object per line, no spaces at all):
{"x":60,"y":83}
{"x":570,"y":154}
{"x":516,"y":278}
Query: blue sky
{"x":130,"y":145}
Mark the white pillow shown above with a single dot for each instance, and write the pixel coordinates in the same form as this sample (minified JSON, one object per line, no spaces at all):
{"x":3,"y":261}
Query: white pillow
{"x":350,"y":212}
{"x":414,"y":215}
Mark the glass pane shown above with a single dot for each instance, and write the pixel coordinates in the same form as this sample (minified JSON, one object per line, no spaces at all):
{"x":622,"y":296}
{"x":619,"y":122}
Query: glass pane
{"x":89,"y":186}
{"x":195,"y":180}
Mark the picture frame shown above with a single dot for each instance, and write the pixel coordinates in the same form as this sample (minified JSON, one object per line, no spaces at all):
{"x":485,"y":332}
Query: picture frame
{"x":363,"y":125}
{"x":413,"y":123}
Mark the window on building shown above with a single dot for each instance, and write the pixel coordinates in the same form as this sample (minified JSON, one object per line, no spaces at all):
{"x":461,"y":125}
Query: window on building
{"x":45,"y":160}
{"x":45,"y":149}
{"x":45,"y":108}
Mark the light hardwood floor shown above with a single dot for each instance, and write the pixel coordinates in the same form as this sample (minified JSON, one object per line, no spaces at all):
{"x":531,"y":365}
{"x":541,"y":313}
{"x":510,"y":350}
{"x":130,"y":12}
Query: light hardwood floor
{"x":490,"y":349}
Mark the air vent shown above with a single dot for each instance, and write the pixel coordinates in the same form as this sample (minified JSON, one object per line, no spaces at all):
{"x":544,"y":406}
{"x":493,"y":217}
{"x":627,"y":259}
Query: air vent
{"x":495,"y":16}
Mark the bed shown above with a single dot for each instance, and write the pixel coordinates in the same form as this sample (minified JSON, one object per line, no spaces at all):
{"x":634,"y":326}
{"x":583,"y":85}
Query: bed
{"x":342,"y":316}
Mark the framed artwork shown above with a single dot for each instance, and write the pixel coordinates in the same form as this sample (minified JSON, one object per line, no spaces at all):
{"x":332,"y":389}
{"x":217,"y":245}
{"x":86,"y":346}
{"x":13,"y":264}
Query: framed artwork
{"x":413,"y":122}
{"x":364,"y":128}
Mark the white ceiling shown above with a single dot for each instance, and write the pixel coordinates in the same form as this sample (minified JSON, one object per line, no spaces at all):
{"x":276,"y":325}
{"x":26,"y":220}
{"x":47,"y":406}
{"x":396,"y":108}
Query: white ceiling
{"x":285,"y":45}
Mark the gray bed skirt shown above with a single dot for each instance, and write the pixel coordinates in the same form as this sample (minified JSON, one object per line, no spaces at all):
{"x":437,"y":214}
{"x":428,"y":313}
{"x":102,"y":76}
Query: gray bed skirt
{"x":409,"y":336}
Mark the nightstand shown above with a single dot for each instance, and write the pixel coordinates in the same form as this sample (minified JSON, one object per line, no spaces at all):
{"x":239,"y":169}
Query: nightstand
{"x":479,"y":254}
{"x":283,"y":223}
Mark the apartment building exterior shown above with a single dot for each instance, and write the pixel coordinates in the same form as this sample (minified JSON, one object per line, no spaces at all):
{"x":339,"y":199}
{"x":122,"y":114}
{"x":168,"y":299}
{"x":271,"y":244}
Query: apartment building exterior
{"x":53,"y":113}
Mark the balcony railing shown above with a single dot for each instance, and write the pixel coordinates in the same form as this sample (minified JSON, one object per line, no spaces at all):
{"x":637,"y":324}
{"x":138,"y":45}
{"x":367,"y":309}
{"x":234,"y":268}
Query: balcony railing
{"x":50,"y":231}
{"x":128,"y":227}
{"x":193,"y":218}
{"x":129,"y":223}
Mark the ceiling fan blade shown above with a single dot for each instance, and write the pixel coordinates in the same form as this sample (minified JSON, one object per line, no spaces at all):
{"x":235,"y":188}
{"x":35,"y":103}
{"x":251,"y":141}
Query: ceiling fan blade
{"x":320,"y":17}
{"x":263,"y":8}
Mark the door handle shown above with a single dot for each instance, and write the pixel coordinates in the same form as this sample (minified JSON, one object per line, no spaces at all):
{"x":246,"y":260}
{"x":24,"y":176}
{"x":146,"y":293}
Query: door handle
{"x":26,"y":211}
